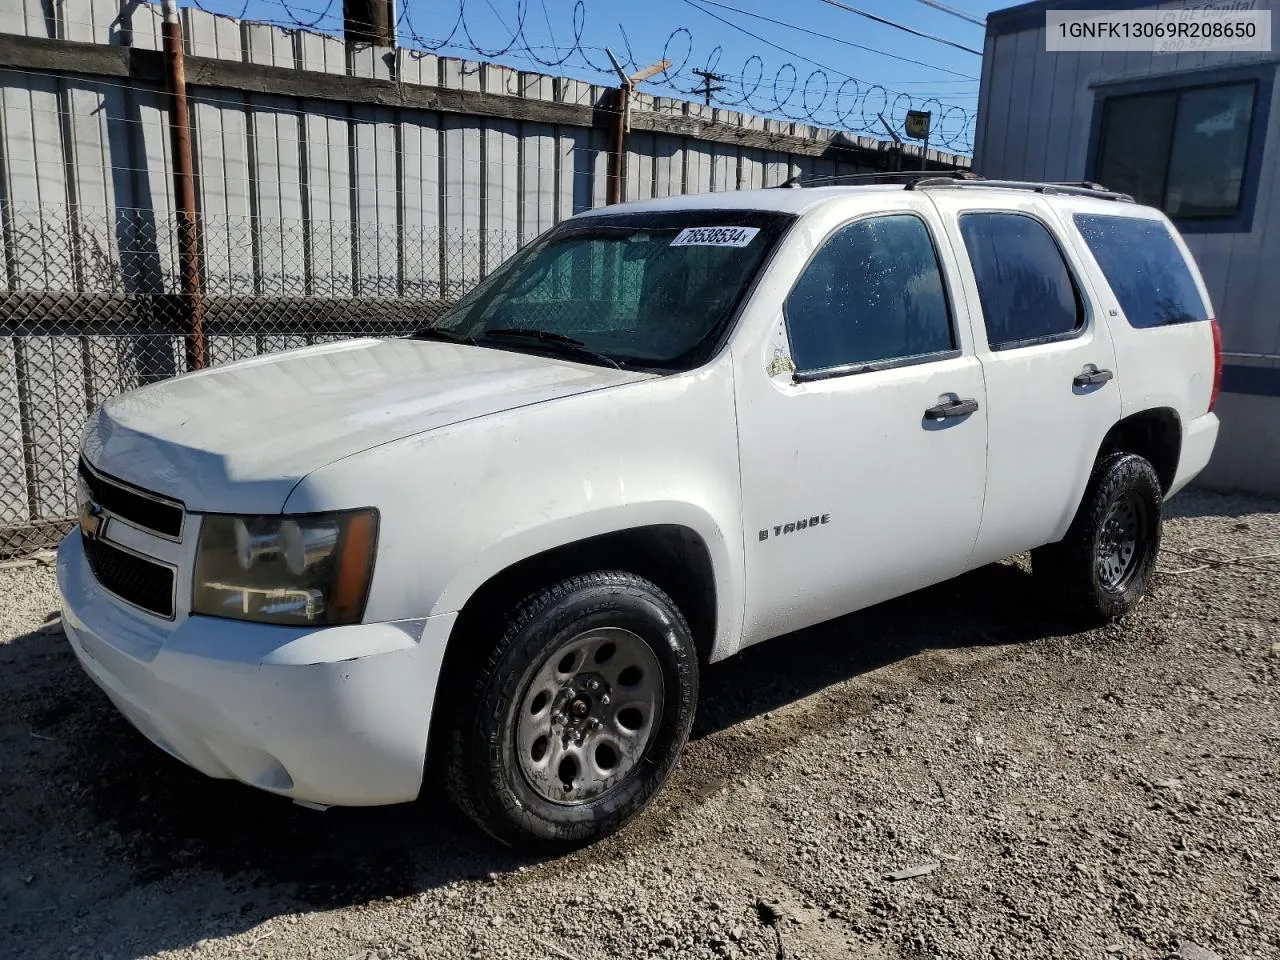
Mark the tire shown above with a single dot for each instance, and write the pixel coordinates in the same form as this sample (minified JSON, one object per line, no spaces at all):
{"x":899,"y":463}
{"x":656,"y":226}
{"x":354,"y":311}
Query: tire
{"x":553,"y":660}
{"x":1096,"y":582}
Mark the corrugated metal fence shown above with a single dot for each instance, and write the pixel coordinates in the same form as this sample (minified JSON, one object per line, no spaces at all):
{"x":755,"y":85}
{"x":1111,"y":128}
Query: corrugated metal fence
{"x":341,"y":192}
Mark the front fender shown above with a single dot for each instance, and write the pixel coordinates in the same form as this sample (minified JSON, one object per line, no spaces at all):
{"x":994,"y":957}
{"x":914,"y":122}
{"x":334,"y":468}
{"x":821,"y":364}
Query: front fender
{"x":726,"y":562}
{"x":462,"y":503}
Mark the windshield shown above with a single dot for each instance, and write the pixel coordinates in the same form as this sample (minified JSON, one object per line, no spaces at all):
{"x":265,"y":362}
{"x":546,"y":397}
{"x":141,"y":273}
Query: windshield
{"x":640,"y":289}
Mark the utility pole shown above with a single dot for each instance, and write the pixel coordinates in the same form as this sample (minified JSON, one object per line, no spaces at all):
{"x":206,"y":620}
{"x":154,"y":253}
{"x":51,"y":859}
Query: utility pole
{"x":369,"y":21}
{"x":708,"y":78}
{"x":184,"y":185}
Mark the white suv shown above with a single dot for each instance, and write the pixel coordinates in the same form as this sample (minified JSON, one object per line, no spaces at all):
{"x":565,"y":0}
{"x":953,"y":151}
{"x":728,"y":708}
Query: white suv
{"x":661,"y":432}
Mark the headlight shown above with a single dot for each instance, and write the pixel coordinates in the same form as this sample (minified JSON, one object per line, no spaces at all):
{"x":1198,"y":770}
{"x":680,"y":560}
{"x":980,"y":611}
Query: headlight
{"x":312,"y":569}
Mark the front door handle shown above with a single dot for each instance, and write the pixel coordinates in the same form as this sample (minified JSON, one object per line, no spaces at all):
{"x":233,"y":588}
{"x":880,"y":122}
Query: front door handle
{"x":1091,"y":376}
{"x":950,"y":409}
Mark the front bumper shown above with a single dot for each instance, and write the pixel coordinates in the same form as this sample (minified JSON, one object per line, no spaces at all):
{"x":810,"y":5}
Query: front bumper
{"x":333,"y":715}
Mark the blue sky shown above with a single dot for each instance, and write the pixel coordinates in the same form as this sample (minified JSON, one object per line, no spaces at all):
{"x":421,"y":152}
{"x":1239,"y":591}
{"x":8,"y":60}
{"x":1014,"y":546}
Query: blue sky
{"x":855,"y":84}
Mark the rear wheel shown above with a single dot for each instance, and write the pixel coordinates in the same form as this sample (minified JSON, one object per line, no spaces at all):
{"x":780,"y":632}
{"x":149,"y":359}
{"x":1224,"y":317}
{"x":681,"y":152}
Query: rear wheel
{"x":1104,"y":565}
{"x":579,"y":714}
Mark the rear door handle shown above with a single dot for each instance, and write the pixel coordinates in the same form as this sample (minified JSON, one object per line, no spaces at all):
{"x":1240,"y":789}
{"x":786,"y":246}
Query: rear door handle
{"x":953,"y":408}
{"x":1091,"y":376}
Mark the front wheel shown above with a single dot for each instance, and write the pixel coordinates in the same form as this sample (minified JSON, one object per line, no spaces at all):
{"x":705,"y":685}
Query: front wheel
{"x":579,"y":714}
{"x":1105,"y":563}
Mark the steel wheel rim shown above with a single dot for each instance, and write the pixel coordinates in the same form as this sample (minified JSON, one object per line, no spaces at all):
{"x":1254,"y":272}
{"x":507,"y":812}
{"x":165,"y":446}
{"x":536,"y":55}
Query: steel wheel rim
{"x":587,"y":714}
{"x":1122,"y":541}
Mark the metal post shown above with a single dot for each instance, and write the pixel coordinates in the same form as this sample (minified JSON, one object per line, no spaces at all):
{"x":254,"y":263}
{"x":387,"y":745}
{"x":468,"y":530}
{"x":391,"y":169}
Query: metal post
{"x":622,"y":122}
{"x":184,"y":187}
{"x":618,"y":152}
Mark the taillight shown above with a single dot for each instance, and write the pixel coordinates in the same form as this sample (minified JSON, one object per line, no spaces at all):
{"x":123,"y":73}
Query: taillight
{"x":1217,"y":363}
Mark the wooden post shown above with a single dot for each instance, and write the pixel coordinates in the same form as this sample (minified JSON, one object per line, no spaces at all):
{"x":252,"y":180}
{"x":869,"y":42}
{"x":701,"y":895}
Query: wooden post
{"x":368,"y":21}
{"x":184,"y":187}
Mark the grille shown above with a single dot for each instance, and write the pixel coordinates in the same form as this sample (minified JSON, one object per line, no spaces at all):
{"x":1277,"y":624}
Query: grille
{"x":143,"y":583}
{"x":144,"y":510}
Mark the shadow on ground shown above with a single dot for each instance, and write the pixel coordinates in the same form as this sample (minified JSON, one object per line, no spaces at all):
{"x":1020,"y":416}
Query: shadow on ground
{"x":91,"y":813}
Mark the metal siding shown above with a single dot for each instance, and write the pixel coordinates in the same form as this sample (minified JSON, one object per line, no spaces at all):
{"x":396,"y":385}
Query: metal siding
{"x":221,"y":147}
{"x":502,"y":189}
{"x":1000,"y":108}
{"x":751,"y":170}
{"x":376,"y":223}
{"x":26,"y":18}
{"x":668,"y":166}
{"x":984,"y":98}
{"x":598,"y":166}
{"x":698,"y":167}
{"x":537,"y":167}
{"x":1027,"y":50}
{"x":641,"y":150}
{"x":577,"y":156}
{"x":1080,"y":115}
{"x":724,"y":167}
{"x":461,"y":203}
{"x":1062,"y":102}
{"x":1039,"y":110}
{"x":420,"y":140}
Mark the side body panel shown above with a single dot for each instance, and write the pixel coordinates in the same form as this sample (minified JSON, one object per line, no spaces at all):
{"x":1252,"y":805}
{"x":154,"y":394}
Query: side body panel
{"x":462,"y":503}
{"x":897,"y":498}
{"x":1044,"y":432}
{"x":1167,"y":366}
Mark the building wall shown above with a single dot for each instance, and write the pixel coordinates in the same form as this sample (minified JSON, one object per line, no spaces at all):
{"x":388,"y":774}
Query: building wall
{"x":1036,"y":116}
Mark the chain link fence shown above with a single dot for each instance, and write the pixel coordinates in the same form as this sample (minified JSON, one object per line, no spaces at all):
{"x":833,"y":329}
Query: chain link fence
{"x":90,"y":308}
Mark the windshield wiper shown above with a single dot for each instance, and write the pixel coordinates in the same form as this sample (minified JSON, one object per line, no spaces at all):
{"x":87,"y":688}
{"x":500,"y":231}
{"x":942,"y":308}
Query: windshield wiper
{"x":439,"y":333}
{"x":556,"y":341}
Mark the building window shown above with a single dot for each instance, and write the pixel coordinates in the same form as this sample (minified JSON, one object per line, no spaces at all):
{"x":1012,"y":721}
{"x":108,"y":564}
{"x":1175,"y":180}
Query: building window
{"x":1183,"y":151}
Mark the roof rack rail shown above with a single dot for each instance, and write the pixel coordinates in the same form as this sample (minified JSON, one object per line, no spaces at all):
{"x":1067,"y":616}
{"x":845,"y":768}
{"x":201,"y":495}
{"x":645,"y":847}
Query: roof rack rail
{"x":906,"y":177}
{"x":1077,"y":188}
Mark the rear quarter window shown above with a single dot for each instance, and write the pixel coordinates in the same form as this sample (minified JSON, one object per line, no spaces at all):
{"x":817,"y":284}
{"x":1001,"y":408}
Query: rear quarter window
{"x":1145,"y":268}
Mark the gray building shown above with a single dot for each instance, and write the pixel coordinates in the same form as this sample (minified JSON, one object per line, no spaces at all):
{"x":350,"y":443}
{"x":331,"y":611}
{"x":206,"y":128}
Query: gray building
{"x":1189,"y":132}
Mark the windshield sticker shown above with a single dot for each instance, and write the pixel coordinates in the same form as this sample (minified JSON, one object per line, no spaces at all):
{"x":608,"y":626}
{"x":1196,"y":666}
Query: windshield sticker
{"x":715,"y":236}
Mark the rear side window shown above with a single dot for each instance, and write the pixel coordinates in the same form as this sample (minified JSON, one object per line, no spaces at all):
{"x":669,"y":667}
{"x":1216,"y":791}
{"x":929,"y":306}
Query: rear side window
{"x":871,"y":295}
{"x":1027,"y":293}
{"x":1145,"y":268}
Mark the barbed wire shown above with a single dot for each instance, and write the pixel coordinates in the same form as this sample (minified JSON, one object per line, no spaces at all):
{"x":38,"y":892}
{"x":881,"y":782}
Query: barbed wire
{"x":826,"y":96}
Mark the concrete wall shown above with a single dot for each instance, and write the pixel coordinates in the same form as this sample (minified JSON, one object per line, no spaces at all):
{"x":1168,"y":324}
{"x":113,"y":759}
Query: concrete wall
{"x":1036,"y":116}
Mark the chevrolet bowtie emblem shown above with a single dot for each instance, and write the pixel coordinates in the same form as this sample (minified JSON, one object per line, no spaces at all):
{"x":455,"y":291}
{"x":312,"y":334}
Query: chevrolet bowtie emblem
{"x":91,"y":520}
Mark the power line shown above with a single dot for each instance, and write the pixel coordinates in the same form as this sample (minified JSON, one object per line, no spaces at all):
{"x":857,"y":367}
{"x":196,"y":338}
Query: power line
{"x":547,"y":16}
{"x":904,"y":29}
{"x":954,"y":12}
{"x":769,"y":43}
{"x":840,"y":40}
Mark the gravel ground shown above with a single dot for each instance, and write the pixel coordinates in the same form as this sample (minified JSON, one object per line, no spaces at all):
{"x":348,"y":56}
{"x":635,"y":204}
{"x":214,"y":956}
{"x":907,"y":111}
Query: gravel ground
{"x":1114,"y":793}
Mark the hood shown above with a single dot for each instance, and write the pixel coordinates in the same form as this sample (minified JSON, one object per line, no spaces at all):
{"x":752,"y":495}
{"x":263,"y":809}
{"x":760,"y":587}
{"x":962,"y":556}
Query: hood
{"x":238,"y":438}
